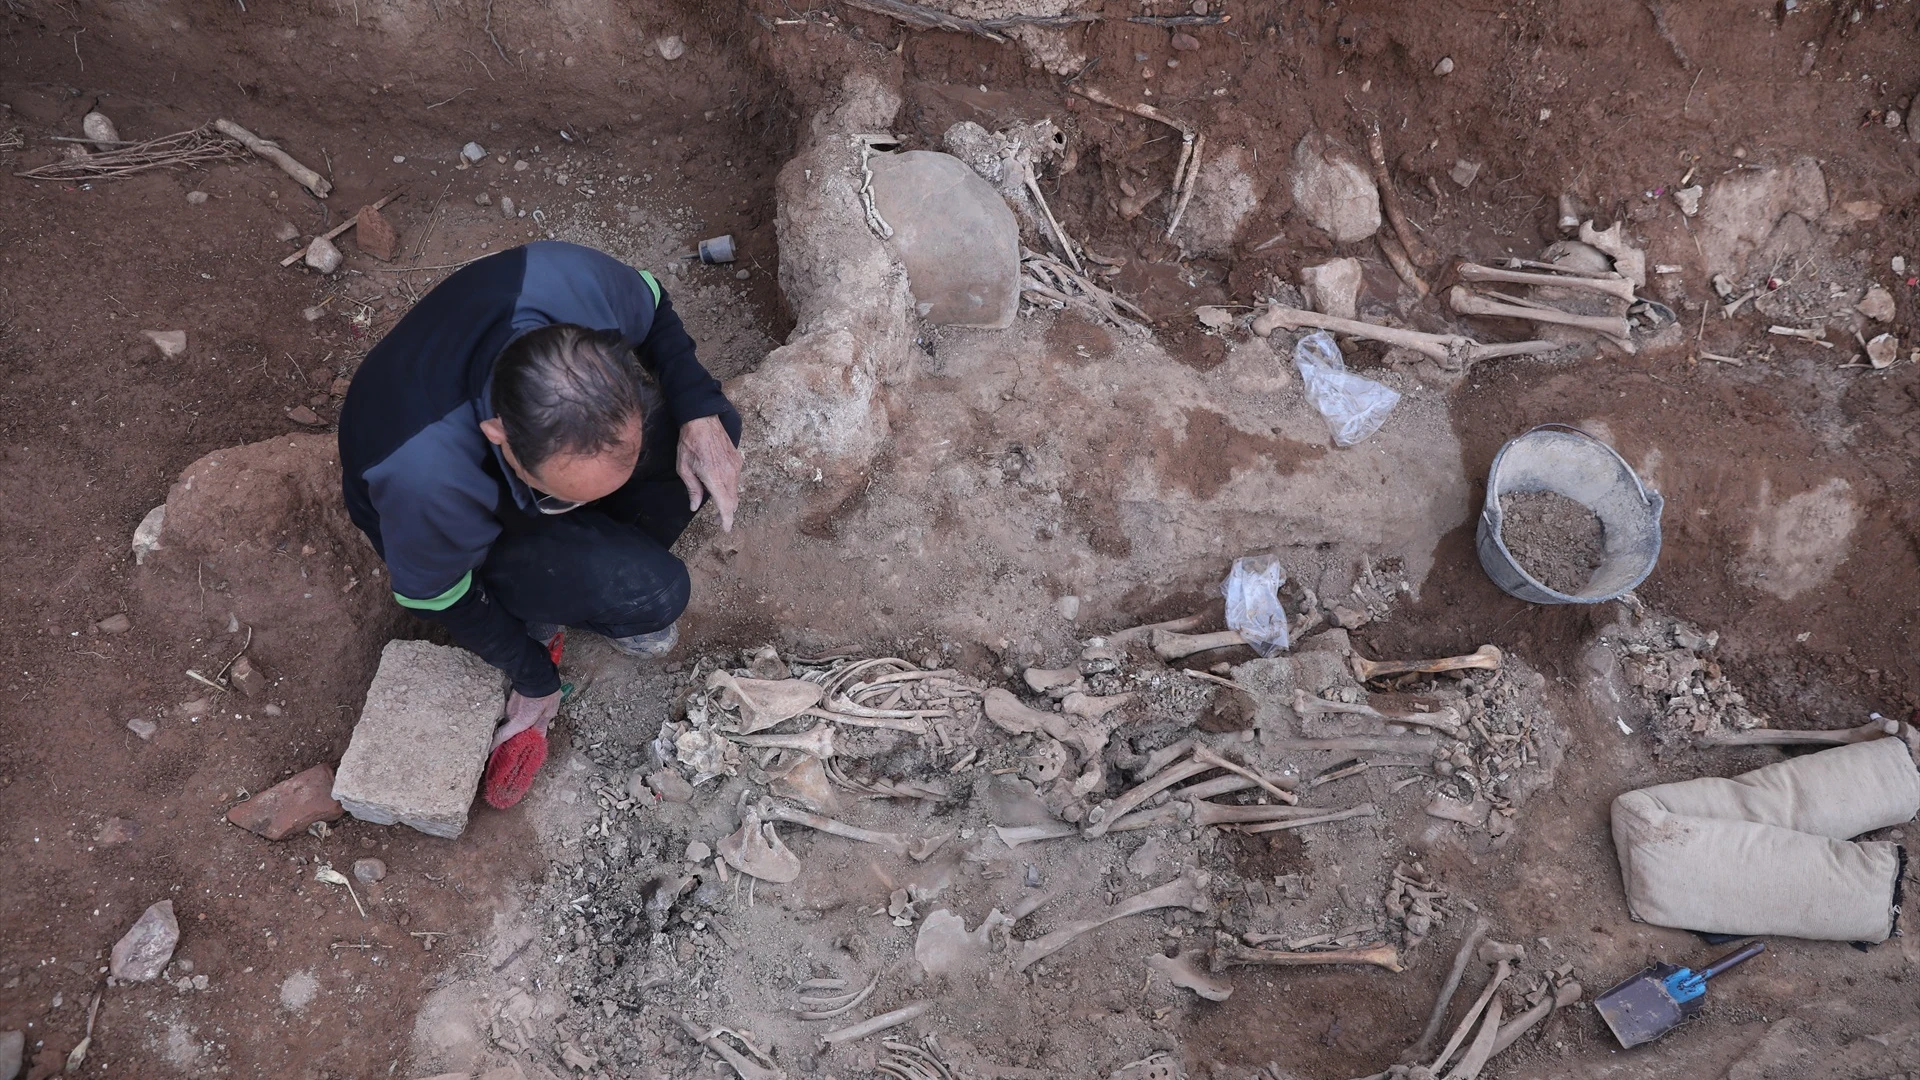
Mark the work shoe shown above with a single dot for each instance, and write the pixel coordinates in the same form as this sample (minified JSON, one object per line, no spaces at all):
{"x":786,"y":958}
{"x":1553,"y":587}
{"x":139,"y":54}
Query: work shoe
{"x":649,"y":646}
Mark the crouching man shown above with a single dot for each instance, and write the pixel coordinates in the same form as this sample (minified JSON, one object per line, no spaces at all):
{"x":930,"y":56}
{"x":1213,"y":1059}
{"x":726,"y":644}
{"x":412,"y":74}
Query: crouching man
{"x":523,"y":448}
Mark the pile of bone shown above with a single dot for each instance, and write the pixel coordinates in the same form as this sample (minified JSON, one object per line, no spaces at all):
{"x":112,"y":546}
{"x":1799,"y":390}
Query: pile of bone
{"x":1681,"y":687}
{"x":1500,"y":1023}
{"x":1417,"y":901}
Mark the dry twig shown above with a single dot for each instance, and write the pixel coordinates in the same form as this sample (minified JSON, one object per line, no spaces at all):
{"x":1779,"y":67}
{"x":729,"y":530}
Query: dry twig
{"x":182,"y":148}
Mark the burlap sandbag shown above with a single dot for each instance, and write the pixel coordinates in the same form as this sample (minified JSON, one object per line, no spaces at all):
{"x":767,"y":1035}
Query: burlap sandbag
{"x":1767,"y":852}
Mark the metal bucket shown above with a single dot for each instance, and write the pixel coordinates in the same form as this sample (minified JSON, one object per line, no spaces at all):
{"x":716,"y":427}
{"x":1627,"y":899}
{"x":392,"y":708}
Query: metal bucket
{"x":1566,"y":460}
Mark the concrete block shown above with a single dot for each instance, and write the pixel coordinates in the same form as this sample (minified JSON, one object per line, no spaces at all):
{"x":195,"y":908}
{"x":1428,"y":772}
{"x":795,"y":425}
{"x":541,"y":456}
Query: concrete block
{"x":421,"y":744}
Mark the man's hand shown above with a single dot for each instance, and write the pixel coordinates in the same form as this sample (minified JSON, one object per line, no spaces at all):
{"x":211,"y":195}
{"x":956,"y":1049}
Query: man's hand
{"x":709,"y":464}
{"x":524,"y":713}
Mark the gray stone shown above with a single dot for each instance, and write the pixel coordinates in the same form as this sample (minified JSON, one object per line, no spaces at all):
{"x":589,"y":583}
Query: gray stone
{"x":421,"y":744}
{"x":1333,"y":288}
{"x":286,"y":232}
{"x":146,"y":729}
{"x":671,"y":47}
{"x":143,"y":952}
{"x":13,"y":1049}
{"x":473,"y":153}
{"x":196,"y":198}
{"x":146,"y":537}
{"x":955,"y":235}
{"x":1743,"y":208}
{"x":368,"y":871}
{"x":323,"y":256}
{"x":1877,"y":304}
{"x":1333,"y":191}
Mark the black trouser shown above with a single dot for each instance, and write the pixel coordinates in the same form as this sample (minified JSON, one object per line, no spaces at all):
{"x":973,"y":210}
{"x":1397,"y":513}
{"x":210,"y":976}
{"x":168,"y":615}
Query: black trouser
{"x":606,"y":566}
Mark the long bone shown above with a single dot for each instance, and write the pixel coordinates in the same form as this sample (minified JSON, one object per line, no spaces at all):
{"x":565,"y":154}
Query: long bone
{"x":1414,"y":745}
{"x":1563,"y":996}
{"x":1500,"y":973}
{"x":1486,"y":656}
{"x":1612,"y":284}
{"x":1363,"y":810}
{"x":893,"y":842}
{"x":1140,"y":793}
{"x":1481,"y":927}
{"x":1172,"y":645}
{"x":1872,"y":729}
{"x":1481,"y":1048}
{"x":878,"y":1024}
{"x":1230,"y":952}
{"x":1189,"y":891}
{"x":1184,"y":970}
{"x":740,"y":1063}
{"x":1447,"y":349}
{"x":1613,"y":327}
{"x":1202,"y":754}
{"x":1445,"y":720}
{"x":1212,"y":813}
{"x":816,"y":741}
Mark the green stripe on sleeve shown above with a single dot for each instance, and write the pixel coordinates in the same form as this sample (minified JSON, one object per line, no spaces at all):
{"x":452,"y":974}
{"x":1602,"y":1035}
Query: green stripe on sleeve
{"x":442,"y":602}
{"x":652,"y":284}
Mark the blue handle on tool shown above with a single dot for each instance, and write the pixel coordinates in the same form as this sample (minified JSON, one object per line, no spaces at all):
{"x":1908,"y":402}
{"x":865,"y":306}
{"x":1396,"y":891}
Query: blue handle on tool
{"x":1685,"y":985}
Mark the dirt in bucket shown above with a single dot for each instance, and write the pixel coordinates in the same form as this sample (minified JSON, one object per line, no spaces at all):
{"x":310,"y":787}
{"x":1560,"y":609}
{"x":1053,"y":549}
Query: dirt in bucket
{"x":1556,"y":539}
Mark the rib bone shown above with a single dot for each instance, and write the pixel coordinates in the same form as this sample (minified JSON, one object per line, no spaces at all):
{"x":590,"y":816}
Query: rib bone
{"x":1445,"y":720}
{"x":1613,"y":327}
{"x":1611,"y":284}
{"x":893,"y":842}
{"x":1171,"y":645}
{"x":1229,"y":952}
{"x":1189,"y":891}
{"x":1447,"y":349}
{"x":1486,"y":656}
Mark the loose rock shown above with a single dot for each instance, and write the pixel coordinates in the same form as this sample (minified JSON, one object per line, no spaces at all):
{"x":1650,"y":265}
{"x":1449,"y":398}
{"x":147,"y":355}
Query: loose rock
{"x":300,"y":414}
{"x":146,"y":536}
{"x":196,"y":198}
{"x":105,"y":136}
{"x":247,"y":678}
{"x":13,"y":1048}
{"x":698,"y":852}
{"x":288,"y":807}
{"x":483,"y":199}
{"x":1333,"y":288}
{"x":313,"y":313}
{"x":171,"y":343}
{"x":143,"y":952}
{"x":1688,"y":199}
{"x":114,"y":624}
{"x":506,"y":206}
{"x":1877,"y":305}
{"x":1464,"y":172}
{"x":286,"y":232}
{"x":473,"y":153}
{"x":670,"y":786}
{"x":1334,"y":192}
{"x":671,"y":47}
{"x":323,"y":256}
{"x":113,"y":831}
{"x":375,"y":235}
{"x":1444,"y":67}
{"x":368,"y":871}
{"x":143,"y":728}
{"x":1186,"y":42}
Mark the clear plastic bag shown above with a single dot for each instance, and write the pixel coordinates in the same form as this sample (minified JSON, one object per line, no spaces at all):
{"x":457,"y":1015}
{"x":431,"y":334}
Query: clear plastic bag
{"x":1355,"y":407}
{"x":1253,"y":603}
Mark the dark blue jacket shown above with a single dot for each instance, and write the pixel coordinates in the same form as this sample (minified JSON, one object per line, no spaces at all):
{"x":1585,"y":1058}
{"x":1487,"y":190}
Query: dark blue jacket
{"x":421,"y":479}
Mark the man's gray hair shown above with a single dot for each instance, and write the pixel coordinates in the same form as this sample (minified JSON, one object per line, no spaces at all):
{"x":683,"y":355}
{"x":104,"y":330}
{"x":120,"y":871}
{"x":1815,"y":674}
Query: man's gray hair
{"x":565,"y":389}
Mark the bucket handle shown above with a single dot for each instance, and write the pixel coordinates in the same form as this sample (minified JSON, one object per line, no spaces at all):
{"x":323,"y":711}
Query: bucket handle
{"x":1604,"y":445}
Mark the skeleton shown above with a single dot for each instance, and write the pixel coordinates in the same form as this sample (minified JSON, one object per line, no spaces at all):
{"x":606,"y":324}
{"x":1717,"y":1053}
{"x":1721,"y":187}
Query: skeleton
{"x":816,"y":741}
{"x":1613,"y":327}
{"x":1448,"y":350}
{"x":1184,"y":971}
{"x":878,"y":1024}
{"x":1230,"y":952}
{"x":1189,"y":891}
{"x":1611,"y":284}
{"x":884,"y":788}
{"x":910,"y":1062}
{"x":894,"y":842}
{"x":1443,"y":720}
{"x":1486,"y":657}
{"x":740,"y":1063}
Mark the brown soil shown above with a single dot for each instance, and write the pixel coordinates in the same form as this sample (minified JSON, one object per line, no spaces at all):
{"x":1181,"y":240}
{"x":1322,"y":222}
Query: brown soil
{"x":1791,"y":525}
{"x":1557,"y":540}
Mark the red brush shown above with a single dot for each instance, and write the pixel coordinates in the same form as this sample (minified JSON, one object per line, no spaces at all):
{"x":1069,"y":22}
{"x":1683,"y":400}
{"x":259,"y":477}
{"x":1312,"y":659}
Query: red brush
{"x":514,"y":763}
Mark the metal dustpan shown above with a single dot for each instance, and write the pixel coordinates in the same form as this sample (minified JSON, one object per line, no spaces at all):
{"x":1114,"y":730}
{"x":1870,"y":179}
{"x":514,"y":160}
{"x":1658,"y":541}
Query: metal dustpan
{"x":1663,"y":997}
